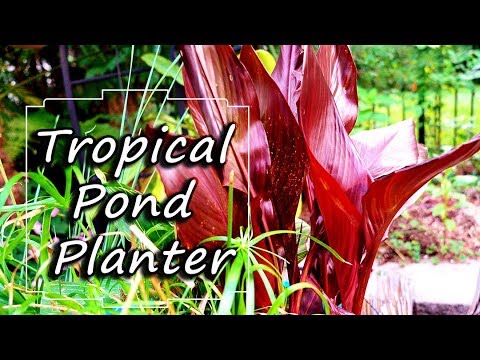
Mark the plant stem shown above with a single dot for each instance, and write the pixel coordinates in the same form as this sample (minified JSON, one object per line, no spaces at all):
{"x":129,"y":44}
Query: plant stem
{"x":230,"y":209}
{"x":455,"y":120}
{"x":472,"y":112}
{"x":421,"y":119}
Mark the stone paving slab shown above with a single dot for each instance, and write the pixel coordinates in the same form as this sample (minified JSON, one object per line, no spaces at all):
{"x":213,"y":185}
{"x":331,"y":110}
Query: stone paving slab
{"x":441,"y":284}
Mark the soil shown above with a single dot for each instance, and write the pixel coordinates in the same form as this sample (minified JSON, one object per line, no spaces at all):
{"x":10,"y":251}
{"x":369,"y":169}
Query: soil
{"x":431,"y":232}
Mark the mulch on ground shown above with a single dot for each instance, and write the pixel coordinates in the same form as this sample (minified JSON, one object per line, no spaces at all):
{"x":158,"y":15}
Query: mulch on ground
{"x":431,"y":229}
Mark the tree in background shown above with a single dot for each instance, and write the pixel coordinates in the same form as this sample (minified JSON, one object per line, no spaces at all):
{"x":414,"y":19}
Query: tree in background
{"x":29,"y":74}
{"x":421,"y":72}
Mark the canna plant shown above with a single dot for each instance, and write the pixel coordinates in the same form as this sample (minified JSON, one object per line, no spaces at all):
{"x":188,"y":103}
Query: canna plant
{"x":299,"y":134}
{"x":356,"y":185}
{"x":267,"y":132}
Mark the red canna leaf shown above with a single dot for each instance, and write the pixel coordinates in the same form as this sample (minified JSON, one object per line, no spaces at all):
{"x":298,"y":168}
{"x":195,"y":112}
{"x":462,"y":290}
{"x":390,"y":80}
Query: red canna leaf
{"x":310,"y":301}
{"x":209,"y":202}
{"x":215,"y":72}
{"x":325,"y":134}
{"x":288,"y":74}
{"x":390,"y":148}
{"x":337,"y":173}
{"x":340,"y":74}
{"x":342,"y":223}
{"x":388,"y":194}
{"x":312,"y":304}
{"x":336,"y":310}
{"x":287,"y":151}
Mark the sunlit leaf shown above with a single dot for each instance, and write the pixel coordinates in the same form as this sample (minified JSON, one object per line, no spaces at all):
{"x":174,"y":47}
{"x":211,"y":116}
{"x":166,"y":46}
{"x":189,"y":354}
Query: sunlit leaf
{"x":163,"y":66}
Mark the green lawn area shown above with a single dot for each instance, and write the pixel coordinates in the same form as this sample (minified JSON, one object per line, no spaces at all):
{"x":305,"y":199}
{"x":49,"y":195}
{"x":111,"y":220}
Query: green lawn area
{"x":384,"y":116}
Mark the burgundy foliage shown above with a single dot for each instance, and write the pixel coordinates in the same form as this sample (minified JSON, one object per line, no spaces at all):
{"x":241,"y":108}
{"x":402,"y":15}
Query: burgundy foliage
{"x":298,"y":126}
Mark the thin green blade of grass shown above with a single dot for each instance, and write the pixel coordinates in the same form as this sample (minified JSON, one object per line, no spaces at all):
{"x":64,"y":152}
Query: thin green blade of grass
{"x":44,"y":203}
{"x":165,"y":100}
{"x":231,"y":282}
{"x":177,"y":127}
{"x":268,"y":287}
{"x":282,"y":298}
{"x":7,"y":188}
{"x":48,"y":186}
{"x":45,"y":238}
{"x":268,"y":262}
{"x":172,"y":66}
{"x":158,"y":227}
{"x":263,"y":267}
{"x":14,"y":243}
{"x":63,"y":300}
{"x":280,"y":232}
{"x":5,"y":180}
{"x":78,"y":173}
{"x":140,"y":108}
{"x":230,"y":209}
{"x":68,"y":185}
{"x":125,"y":102}
{"x":249,"y":286}
{"x":163,"y":66}
{"x":26,"y":305}
{"x":141,"y":165}
{"x":214,"y":238}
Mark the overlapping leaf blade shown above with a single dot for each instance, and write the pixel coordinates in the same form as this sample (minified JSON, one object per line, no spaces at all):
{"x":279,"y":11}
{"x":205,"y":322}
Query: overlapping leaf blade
{"x":287,"y":150}
{"x":215,"y":72}
{"x":388,"y":194}
{"x":325,"y":134}
{"x":209,"y":203}
{"x":387,"y":149}
{"x":340,"y":73}
{"x":342,"y":223}
{"x":288,"y":74}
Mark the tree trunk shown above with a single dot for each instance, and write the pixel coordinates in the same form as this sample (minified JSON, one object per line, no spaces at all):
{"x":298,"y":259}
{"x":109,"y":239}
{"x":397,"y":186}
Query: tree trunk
{"x":436,"y":120}
{"x":421,"y":120}
{"x":439,"y":119}
{"x":455,"y":120}
{"x":472,"y":112}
